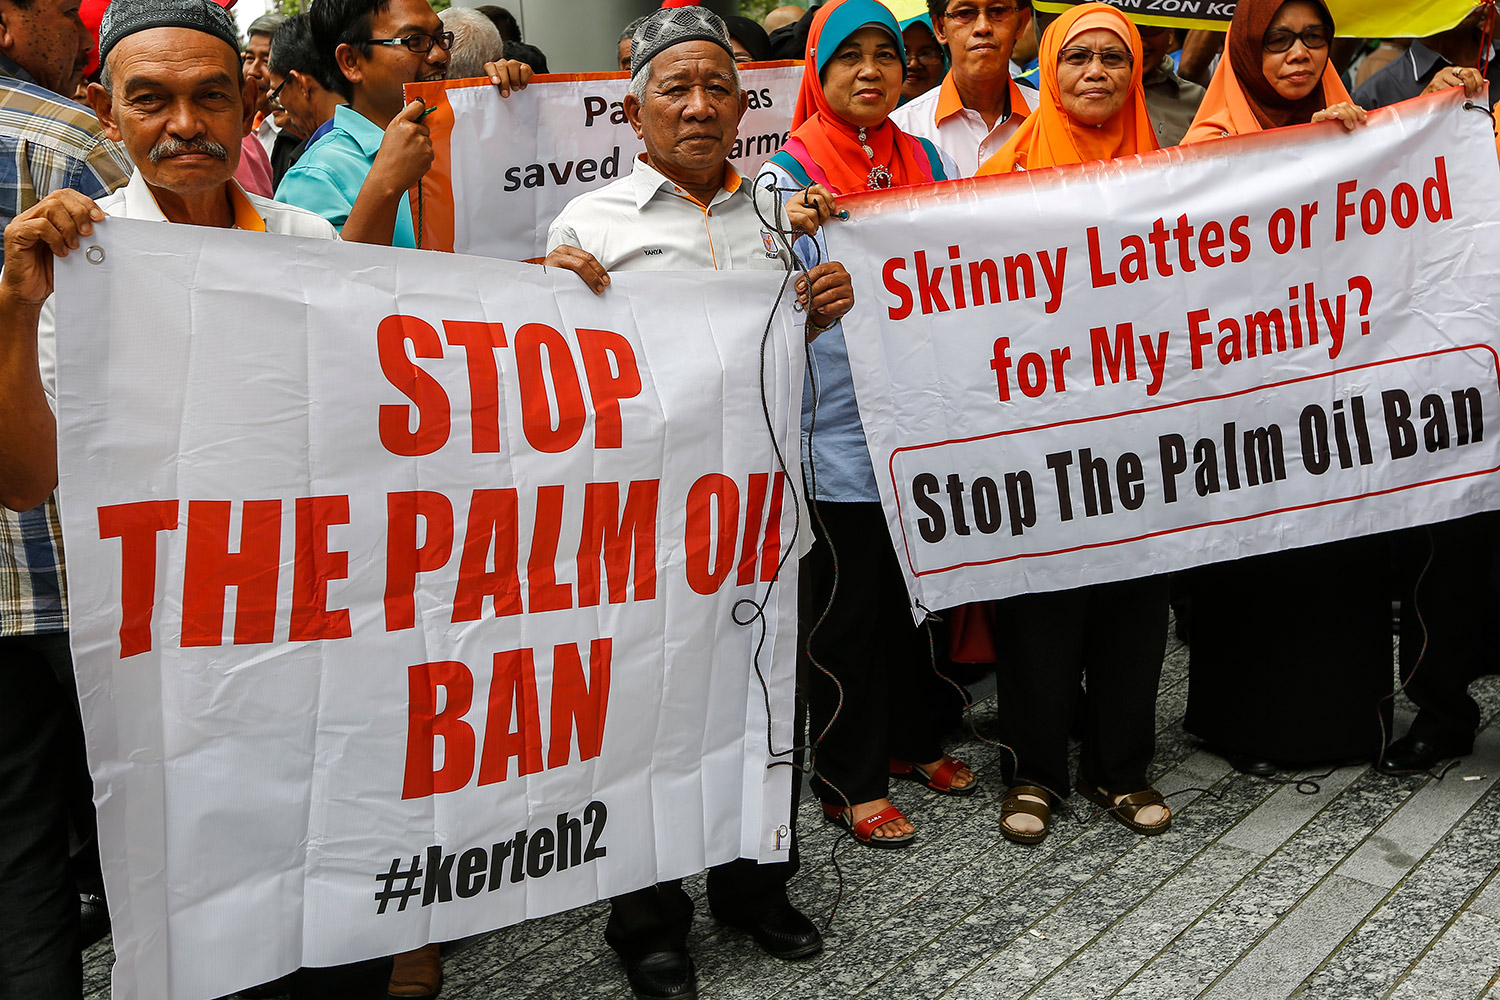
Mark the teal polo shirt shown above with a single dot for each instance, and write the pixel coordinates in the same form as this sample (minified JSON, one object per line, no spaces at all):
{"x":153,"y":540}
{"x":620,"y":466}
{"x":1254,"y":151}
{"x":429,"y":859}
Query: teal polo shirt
{"x":328,"y":176}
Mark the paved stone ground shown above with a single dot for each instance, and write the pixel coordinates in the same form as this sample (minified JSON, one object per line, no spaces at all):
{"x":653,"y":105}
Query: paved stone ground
{"x":1373,"y":887}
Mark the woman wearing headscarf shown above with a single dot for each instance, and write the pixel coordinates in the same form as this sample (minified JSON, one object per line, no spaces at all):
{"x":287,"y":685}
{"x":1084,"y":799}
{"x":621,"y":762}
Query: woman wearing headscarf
{"x":1111,"y":636}
{"x":1291,"y":651}
{"x":749,"y":40}
{"x":856,"y":616}
{"x":926,"y":57}
{"x":1275,"y":72}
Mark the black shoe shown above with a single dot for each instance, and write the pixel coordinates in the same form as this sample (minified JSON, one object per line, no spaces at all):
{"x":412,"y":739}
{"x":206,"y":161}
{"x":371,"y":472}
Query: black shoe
{"x":1246,"y":763}
{"x":93,"y":919}
{"x":783,"y":931}
{"x":1409,"y":755}
{"x":663,"y":975}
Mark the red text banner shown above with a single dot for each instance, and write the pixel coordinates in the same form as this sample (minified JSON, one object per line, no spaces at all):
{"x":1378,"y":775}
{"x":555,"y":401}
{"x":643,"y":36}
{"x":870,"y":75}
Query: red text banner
{"x":415,"y":595}
{"x":512,"y":164}
{"x":1207,"y":353}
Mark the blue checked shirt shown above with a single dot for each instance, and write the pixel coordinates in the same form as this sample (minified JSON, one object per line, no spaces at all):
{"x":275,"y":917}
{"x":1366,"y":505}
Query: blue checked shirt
{"x":46,"y":144}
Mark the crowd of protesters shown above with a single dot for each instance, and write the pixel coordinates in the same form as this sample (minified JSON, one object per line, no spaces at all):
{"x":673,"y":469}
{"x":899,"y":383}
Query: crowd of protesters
{"x":154,"y":109}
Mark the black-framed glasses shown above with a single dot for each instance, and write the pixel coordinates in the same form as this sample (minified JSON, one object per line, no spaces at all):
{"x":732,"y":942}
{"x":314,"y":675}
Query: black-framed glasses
{"x":1079,"y":56}
{"x":1314,"y":36}
{"x":274,"y":97}
{"x":968,"y":15}
{"x":418,"y":41}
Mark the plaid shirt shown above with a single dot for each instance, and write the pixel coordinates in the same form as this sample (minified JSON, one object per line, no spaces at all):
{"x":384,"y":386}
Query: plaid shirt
{"x":46,"y":144}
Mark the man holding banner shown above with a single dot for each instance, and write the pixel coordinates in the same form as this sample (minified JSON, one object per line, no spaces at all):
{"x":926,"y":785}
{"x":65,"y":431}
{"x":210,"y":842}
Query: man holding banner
{"x":685,"y":103}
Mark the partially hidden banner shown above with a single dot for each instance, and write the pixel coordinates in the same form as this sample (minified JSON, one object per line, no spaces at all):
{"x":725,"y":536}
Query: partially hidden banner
{"x":512,"y":164}
{"x":1354,"y":18}
{"x":1120,"y":368}
{"x":404,"y":590}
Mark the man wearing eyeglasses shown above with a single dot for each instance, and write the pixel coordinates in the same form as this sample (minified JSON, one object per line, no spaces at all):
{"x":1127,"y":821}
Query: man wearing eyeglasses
{"x":357,"y":174}
{"x":977,"y":107}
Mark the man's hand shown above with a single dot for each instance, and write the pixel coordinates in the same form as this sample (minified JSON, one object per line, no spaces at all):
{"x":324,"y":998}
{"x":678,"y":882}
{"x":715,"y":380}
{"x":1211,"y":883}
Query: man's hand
{"x":827,"y":292}
{"x":581,"y":263}
{"x":811,"y":208}
{"x":508,"y":75}
{"x":406,"y":151}
{"x":51,"y":227}
{"x":1352,"y":115}
{"x":1466,"y":77}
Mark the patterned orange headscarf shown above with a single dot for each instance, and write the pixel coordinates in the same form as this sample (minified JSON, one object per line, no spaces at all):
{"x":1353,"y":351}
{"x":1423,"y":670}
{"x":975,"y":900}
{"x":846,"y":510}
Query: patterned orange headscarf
{"x":1050,"y":136}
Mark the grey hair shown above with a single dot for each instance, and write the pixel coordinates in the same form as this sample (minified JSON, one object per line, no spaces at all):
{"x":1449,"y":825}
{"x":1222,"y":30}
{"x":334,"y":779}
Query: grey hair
{"x":629,"y":31}
{"x":476,"y":41}
{"x":640,"y":81}
{"x":266,"y":25}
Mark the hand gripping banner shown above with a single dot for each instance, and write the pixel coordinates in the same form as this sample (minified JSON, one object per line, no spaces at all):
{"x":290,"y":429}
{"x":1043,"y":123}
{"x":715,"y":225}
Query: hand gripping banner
{"x":1120,"y":368}
{"x":513,"y":163}
{"x":409,"y":592}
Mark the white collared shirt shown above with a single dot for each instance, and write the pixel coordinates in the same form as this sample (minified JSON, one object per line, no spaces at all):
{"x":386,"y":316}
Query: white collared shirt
{"x":135,"y":201}
{"x":643,"y":221}
{"x":940,"y":117}
{"x":267,"y":133}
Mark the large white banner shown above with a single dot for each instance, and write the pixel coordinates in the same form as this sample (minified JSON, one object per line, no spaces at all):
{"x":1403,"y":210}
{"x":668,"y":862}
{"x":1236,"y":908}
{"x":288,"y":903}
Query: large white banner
{"x":1114,"y":369}
{"x":404,"y":590}
{"x":511,"y":164}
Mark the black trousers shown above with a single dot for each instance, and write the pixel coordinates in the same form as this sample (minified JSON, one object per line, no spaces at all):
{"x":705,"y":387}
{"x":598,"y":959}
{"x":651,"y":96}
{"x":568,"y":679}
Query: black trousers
{"x":41,"y":770}
{"x":1455,"y":597}
{"x":368,"y":980}
{"x":657,"y":917}
{"x":881,"y":706}
{"x":1113,"y":637}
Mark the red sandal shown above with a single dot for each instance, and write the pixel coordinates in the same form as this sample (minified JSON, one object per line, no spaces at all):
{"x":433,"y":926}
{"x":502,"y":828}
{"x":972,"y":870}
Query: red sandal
{"x":864,"y":830}
{"x":940,"y":780}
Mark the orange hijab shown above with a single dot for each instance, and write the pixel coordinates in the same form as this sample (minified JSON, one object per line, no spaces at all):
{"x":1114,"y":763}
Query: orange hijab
{"x":1050,"y":137}
{"x":825,"y":146}
{"x":1239,"y":97}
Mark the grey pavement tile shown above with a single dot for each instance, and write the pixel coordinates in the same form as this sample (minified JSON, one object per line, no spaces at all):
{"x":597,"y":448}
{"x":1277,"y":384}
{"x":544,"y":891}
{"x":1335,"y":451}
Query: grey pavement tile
{"x":1111,"y":959}
{"x":1268,"y":826}
{"x":1488,"y":900}
{"x":1404,"y":838}
{"x":1419,"y":909}
{"x":1460,"y":965}
{"x":1271,"y":889}
{"x":1300,"y":942}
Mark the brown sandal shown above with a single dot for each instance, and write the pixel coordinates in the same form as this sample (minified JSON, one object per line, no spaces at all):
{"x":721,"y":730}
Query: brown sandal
{"x":1013,"y":805}
{"x":1128,"y":807}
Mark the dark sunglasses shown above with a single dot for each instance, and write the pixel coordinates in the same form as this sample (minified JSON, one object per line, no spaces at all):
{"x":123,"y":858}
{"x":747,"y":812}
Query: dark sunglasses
{"x":1078,"y":56}
{"x":1314,"y":36}
{"x":968,"y":15}
{"x":418,"y":42}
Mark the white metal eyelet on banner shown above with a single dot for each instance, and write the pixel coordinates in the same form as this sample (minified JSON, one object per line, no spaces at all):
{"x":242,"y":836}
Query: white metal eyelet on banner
{"x":94,"y":254}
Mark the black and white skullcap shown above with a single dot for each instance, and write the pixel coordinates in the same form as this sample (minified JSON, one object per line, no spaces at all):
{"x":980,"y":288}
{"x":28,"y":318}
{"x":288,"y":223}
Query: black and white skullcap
{"x":126,"y":17}
{"x":665,"y":28}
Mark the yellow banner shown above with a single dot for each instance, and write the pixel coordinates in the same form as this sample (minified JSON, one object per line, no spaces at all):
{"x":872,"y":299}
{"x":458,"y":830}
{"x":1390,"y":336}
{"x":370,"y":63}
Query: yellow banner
{"x":1356,"y":18}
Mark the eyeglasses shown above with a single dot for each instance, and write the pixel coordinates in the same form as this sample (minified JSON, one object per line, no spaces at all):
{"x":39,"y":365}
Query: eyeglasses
{"x":927,"y":57}
{"x":1078,"y":56}
{"x":968,"y":15}
{"x":1314,"y":36}
{"x":418,"y":42}
{"x":274,"y":97}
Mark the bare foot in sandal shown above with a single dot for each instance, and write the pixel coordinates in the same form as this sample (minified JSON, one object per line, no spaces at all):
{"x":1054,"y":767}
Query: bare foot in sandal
{"x":895,"y":828}
{"x":1025,"y":823}
{"x":962,"y":778}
